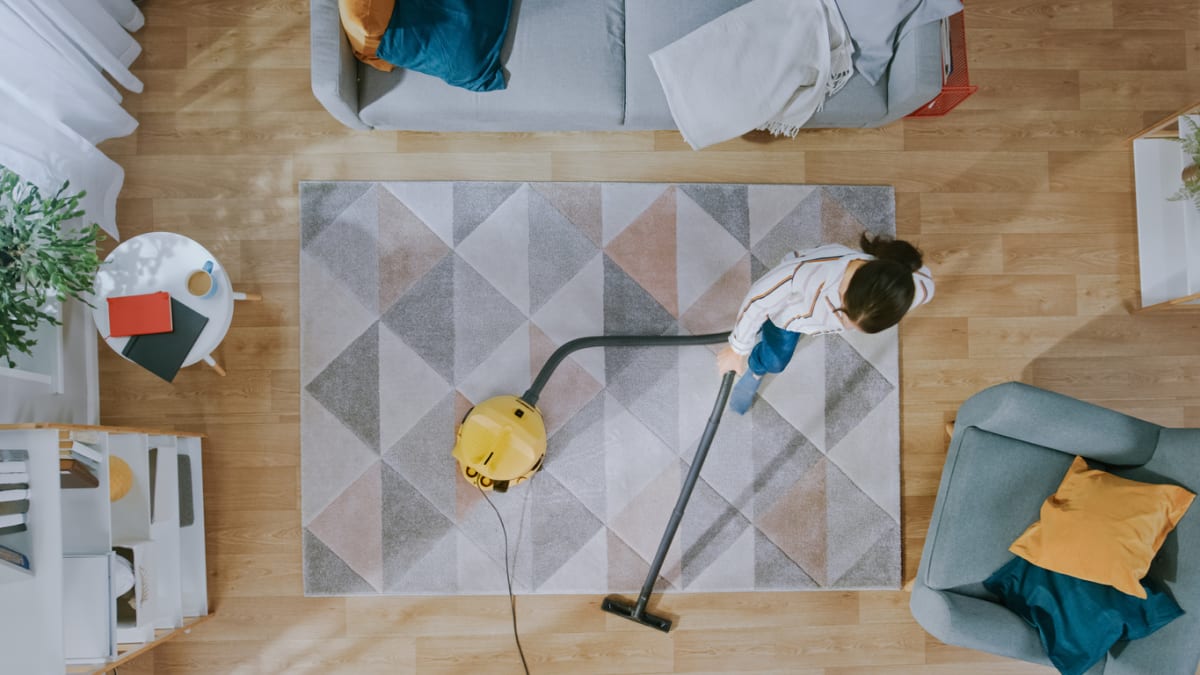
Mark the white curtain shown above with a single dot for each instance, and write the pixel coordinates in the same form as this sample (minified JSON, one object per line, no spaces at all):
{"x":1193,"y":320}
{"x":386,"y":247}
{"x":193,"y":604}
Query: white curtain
{"x":56,"y":104}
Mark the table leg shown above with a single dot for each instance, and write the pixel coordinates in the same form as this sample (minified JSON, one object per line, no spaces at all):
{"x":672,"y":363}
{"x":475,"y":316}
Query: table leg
{"x":215,"y":366}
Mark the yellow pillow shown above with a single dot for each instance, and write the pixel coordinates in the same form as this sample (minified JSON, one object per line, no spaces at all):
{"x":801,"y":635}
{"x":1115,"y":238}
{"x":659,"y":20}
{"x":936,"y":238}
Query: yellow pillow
{"x":365,"y":22}
{"x":120,"y":478}
{"x":1103,"y":528}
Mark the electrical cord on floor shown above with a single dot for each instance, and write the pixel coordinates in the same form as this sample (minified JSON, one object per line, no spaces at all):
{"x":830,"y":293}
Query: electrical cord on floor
{"x":512,"y":600}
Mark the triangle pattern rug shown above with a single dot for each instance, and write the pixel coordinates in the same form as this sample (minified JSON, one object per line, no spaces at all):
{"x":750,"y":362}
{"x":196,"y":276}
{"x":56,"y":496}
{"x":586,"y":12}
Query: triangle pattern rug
{"x":421,"y":299}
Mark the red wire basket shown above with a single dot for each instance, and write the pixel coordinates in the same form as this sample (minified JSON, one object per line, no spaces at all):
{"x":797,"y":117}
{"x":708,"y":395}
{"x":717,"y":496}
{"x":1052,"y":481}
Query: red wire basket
{"x":957,"y":87}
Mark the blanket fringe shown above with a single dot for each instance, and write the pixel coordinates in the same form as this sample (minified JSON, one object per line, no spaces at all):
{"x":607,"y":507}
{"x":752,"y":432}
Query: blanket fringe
{"x":778,"y":128}
{"x":833,"y":86}
{"x":837,"y":81}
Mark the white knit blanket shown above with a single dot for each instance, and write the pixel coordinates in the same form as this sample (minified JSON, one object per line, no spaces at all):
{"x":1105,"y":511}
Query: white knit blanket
{"x":769,"y":64}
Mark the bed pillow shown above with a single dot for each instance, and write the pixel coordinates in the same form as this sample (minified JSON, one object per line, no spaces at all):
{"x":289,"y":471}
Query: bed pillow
{"x":1103,"y":528}
{"x":1078,"y":621}
{"x":876,"y":26}
{"x":365,"y":22}
{"x":457,"y":41}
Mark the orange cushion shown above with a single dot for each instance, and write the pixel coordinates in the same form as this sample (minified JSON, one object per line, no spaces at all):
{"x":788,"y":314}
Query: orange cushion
{"x":1103,"y":528}
{"x":365,"y":22}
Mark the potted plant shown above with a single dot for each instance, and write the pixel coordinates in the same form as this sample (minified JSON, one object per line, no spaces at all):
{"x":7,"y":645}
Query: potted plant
{"x":43,"y":259}
{"x":1191,"y":172}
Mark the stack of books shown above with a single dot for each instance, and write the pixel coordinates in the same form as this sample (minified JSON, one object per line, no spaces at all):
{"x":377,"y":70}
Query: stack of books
{"x":161,"y":330}
{"x":79,"y":466}
{"x":14,"y":490}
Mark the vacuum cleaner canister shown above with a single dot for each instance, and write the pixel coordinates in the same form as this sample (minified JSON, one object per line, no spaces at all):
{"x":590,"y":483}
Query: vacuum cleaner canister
{"x":501,"y":442}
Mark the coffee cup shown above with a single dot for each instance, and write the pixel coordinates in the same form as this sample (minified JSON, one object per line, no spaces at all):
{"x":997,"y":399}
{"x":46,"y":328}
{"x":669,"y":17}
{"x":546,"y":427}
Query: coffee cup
{"x":201,"y":283}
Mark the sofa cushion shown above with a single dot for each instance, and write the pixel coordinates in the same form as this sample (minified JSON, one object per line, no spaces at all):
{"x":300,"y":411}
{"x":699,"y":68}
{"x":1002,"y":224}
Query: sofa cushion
{"x":654,"y":24}
{"x":1103,"y":528}
{"x":858,"y":104}
{"x":565,"y":69}
{"x":992,"y":488}
{"x":876,"y":27}
{"x":651,"y":25}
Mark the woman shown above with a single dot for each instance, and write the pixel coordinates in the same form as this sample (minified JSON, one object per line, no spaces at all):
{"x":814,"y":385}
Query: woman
{"x":827,"y":289}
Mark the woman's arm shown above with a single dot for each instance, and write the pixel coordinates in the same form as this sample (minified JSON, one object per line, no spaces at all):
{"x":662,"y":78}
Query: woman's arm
{"x":923,"y":280}
{"x":770,"y":292}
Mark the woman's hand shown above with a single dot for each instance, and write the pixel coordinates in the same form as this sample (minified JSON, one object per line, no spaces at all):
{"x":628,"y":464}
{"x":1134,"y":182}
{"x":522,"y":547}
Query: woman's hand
{"x":728,"y":360}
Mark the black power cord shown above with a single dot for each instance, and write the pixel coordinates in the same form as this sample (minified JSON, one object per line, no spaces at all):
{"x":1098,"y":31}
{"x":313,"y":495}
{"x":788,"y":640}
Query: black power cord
{"x":535,"y":390}
{"x":512,"y":600}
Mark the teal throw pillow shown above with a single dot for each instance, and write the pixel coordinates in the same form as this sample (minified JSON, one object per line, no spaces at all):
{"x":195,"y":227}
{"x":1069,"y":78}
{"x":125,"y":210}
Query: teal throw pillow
{"x":1078,"y":620}
{"x":456,"y":40}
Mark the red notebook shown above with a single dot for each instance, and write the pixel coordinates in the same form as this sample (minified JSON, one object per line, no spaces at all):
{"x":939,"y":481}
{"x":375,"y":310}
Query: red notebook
{"x":139,"y":314}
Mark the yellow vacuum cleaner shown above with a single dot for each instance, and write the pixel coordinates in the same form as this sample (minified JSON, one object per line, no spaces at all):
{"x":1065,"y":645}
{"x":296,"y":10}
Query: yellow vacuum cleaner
{"x":502,"y":442}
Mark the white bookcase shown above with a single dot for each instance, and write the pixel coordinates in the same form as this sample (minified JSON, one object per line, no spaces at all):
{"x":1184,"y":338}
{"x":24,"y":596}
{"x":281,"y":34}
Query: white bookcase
{"x":79,"y":530}
{"x":1168,"y":231}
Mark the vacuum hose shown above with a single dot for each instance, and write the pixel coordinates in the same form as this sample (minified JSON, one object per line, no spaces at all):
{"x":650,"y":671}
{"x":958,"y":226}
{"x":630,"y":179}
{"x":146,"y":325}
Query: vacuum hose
{"x":543,"y":376}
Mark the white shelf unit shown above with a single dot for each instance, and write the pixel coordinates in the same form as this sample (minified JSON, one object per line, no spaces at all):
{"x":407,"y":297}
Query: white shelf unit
{"x":83,"y":522}
{"x":193,"y":572}
{"x":165,"y":534}
{"x":1168,"y":231}
{"x":44,"y":363}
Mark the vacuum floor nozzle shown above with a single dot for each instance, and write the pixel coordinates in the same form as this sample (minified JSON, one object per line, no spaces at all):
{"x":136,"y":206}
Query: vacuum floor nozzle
{"x":626,"y":610}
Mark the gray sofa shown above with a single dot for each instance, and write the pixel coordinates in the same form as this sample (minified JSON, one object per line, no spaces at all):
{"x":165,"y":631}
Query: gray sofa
{"x":1012,"y":445}
{"x":583,"y":65}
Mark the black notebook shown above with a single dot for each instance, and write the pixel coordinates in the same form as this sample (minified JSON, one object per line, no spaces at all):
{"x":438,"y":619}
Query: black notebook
{"x":164,"y":353}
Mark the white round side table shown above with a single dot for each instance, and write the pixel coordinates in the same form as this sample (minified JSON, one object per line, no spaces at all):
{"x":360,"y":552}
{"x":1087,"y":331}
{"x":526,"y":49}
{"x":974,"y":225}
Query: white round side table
{"x":162,"y":261}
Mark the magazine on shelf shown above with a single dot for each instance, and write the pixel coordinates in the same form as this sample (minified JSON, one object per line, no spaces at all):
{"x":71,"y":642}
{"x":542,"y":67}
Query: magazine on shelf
{"x":14,"y":461}
{"x":14,"y":557}
{"x":7,"y":480}
{"x":12,"y":519}
{"x":10,"y":508}
{"x":87,"y":452}
{"x":75,"y":473}
{"x":13,"y":495}
{"x":13,"y":523}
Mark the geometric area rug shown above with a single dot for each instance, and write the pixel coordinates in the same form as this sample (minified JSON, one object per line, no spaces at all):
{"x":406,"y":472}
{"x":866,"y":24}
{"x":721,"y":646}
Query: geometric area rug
{"x":421,"y":299}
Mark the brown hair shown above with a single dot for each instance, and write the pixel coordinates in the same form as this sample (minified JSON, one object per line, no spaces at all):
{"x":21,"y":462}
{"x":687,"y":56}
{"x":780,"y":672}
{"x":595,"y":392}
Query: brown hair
{"x":882,"y":290}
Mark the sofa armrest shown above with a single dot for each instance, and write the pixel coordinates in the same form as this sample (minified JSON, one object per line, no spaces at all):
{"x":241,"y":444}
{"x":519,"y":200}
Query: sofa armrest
{"x":1059,"y":422}
{"x":915,"y":75}
{"x":964,"y":621}
{"x":334,"y":68}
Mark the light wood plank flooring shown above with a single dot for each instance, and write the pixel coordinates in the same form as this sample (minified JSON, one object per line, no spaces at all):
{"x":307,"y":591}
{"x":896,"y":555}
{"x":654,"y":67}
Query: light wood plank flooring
{"x":1021,"y":200}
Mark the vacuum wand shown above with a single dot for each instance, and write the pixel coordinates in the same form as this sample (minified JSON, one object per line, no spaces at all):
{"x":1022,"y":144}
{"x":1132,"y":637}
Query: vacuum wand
{"x":637,"y":612}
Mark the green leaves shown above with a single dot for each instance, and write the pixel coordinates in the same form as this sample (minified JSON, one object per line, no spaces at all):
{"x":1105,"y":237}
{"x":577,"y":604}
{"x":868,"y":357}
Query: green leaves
{"x":1191,"y":147}
{"x":1191,"y":140}
{"x":44,"y":256}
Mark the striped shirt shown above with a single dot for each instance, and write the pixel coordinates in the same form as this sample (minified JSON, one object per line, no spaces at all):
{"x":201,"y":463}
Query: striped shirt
{"x":802,"y":295}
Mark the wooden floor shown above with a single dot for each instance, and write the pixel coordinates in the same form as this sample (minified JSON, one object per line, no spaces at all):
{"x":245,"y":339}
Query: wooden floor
{"x":1021,"y":199}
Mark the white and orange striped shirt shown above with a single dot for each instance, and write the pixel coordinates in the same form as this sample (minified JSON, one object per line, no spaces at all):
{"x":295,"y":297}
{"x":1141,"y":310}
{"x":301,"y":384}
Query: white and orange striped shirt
{"x":802,"y":295}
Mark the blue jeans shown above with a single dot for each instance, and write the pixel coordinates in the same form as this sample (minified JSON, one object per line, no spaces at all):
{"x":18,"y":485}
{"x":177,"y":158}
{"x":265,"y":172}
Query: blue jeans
{"x":774,"y":350}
